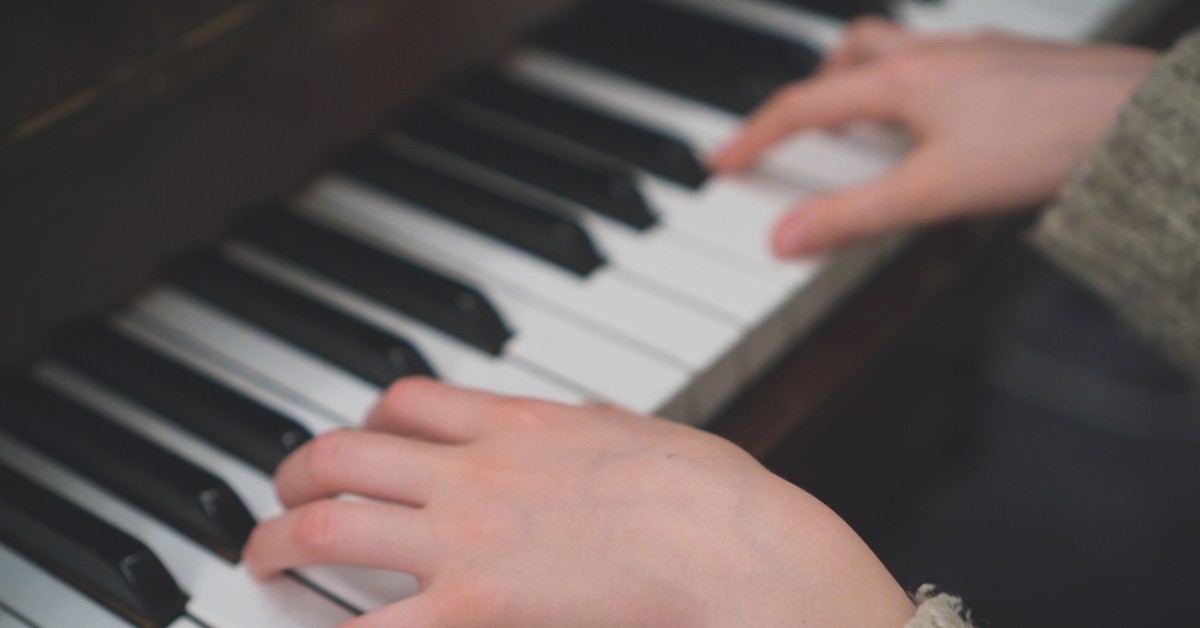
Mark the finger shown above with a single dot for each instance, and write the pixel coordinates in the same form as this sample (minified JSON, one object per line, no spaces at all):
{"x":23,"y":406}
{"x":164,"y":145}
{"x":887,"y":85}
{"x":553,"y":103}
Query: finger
{"x":424,"y":408}
{"x":380,"y":536}
{"x":824,"y":102}
{"x":867,"y":39}
{"x":912,"y":193}
{"x":371,"y":464}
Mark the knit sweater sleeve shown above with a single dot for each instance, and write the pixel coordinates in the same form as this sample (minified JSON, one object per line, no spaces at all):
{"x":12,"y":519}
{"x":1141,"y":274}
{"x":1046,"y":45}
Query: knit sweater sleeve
{"x":1128,"y":224}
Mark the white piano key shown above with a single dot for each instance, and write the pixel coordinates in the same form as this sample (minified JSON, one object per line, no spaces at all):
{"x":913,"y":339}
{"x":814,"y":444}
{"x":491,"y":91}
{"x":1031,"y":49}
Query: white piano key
{"x":815,"y":159}
{"x":1017,"y":16}
{"x":733,"y":214}
{"x":220,"y":594}
{"x":606,"y":369}
{"x":784,"y":20}
{"x":41,"y":598}
{"x":213,"y":330}
{"x":1056,"y":19}
{"x":605,"y":298}
{"x":8,"y":620}
{"x":314,"y":418}
{"x":365,"y":589}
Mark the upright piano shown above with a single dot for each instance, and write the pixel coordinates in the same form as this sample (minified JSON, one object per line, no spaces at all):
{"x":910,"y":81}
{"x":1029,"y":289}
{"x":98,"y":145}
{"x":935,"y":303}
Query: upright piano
{"x":229,"y":224}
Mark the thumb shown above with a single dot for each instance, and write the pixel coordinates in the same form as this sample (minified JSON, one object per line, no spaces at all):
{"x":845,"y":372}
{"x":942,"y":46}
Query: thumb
{"x":910,"y":194}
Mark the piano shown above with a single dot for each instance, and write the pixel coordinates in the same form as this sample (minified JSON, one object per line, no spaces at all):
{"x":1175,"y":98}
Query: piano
{"x":230,"y":236}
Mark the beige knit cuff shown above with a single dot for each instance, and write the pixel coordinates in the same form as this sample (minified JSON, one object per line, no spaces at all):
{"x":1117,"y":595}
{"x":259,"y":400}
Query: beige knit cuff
{"x":938,"y":610}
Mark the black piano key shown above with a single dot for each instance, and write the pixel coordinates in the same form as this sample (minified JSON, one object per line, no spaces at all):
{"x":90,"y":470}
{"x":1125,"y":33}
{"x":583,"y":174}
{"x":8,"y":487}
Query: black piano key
{"x":700,"y":57}
{"x":554,"y":238}
{"x":241,"y":426}
{"x":624,"y":141}
{"x":113,"y":568}
{"x":601,"y":188}
{"x":844,"y":9}
{"x":369,"y":353}
{"x":180,"y":494}
{"x":439,"y":301}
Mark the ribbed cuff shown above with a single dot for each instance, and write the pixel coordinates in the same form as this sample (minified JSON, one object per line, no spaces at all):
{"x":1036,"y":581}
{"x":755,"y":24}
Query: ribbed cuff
{"x":938,"y":610}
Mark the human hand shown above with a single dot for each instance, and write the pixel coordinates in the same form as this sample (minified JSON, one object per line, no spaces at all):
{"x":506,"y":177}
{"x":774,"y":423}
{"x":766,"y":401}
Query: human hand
{"x":514,"y":512}
{"x":1000,"y":123}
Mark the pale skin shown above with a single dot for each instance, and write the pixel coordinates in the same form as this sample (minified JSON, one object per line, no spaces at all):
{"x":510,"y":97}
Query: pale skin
{"x":999,"y":124}
{"x":514,"y":512}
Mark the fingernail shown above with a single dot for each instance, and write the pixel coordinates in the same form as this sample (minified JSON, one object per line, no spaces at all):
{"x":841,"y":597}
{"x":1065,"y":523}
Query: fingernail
{"x":791,"y":241}
{"x":791,"y":236}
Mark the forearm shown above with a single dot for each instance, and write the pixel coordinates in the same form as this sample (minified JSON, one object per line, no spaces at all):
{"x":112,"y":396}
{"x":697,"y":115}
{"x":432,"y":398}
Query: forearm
{"x":1129,"y":223}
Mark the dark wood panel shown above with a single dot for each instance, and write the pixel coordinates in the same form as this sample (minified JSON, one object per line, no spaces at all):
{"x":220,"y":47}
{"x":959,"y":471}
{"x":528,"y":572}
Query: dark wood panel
{"x":87,"y":226}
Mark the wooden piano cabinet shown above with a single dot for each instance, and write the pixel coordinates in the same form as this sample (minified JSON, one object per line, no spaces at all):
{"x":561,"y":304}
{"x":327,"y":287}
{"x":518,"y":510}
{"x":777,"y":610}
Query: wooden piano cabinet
{"x":176,"y":143}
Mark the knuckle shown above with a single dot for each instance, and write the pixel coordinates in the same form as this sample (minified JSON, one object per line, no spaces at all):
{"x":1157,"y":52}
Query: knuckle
{"x":399,"y":391}
{"x":901,"y":72}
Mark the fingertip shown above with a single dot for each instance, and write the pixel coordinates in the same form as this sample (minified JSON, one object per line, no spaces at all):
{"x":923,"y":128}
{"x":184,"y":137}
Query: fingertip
{"x":791,"y":236}
{"x":251,"y":560}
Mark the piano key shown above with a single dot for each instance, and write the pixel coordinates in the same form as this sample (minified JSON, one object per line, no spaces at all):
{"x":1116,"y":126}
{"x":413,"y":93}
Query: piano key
{"x":9,"y":620}
{"x":209,"y":329}
{"x":241,"y":426}
{"x":311,"y":416}
{"x":111,"y":566}
{"x":556,"y":347}
{"x":820,"y":30}
{"x":366,"y":589}
{"x":1073,"y":20}
{"x":668,"y":262}
{"x":220,"y":594}
{"x":434,"y":299}
{"x":35,"y":598}
{"x":637,"y":145}
{"x":371,"y":354}
{"x":192,"y":327}
{"x":682,"y":51}
{"x":599,"y":187}
{"x":815,"y":160}
{"x":1025,"y":17}
{"x":180,"y":494}
{"x":553,"y":238}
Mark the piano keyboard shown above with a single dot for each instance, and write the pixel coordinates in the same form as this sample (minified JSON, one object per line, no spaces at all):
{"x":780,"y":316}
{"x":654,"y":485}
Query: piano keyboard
{"x":545,"y":228}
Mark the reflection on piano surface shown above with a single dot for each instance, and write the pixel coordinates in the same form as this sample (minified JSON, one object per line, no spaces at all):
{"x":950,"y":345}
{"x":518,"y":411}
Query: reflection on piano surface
{"x":544,"y":228}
